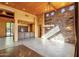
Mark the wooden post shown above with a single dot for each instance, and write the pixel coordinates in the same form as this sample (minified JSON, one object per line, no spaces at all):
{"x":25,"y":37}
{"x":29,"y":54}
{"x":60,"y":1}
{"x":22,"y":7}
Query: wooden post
{"x":77,"y":32}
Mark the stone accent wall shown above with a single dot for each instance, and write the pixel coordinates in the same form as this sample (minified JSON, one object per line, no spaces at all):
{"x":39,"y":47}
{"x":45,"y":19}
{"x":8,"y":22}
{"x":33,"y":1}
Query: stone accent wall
{"x":66,"y":24}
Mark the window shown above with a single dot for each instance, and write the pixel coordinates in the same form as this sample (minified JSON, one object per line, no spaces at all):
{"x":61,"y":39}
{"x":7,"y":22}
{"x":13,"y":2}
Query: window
{"x":52,"y":13}
{"x":71,"y":8}
{"x":9,"y":27}
{"x":47,"y":15}
{"x":63,"y":10}
{"x":58,"y":38}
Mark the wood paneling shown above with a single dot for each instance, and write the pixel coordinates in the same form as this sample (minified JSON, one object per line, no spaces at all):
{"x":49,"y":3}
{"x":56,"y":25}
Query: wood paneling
{"x":2,"y":29}
{"x":3,"y":21}
{"x":37,"y":8}
{"x":18,"y":51}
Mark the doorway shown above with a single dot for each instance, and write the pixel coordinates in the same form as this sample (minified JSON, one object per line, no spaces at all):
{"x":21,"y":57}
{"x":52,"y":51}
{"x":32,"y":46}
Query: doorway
{"x":9,"y":29}
{"x":40,"y":30}
{"x":22,"y":32}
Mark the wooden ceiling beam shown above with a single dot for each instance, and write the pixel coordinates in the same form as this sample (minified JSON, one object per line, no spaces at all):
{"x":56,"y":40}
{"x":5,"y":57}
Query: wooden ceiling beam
{"x":52,"y":6}
{"x":35,"y":7}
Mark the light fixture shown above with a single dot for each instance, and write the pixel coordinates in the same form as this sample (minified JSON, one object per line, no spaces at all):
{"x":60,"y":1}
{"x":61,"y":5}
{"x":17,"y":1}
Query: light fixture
{"x":24,"y":9}
{"x":49,"y":7}
{"x":69,"y":28}
{"x":4,"y":12}
{"x":52,"y":13}
{"x":52,"y":25}
{"x":46,"y":9}
{"x":47,"y":15}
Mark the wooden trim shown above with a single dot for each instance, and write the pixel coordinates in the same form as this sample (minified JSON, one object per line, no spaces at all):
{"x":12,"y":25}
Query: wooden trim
{"x":1,"y":15}
{"x":76,"y":54}
{"x":31,"y":27}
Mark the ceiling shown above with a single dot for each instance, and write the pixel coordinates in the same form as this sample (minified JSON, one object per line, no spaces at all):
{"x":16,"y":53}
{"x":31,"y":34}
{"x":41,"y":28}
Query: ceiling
{"x":37,"y":8}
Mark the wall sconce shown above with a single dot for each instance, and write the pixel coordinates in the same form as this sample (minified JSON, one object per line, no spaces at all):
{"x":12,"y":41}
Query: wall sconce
{"x":69,"y":28}
{"x":52,"y":25}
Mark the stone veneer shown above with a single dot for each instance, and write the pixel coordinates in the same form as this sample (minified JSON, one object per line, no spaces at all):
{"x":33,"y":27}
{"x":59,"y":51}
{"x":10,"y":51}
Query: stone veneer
{"x":65,"y":21}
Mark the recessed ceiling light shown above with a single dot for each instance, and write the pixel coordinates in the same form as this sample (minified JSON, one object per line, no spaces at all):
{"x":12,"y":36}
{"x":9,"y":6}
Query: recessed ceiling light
{"x":6,"y":3}
{"x":46,"y":9}
{"x":24,"y":9}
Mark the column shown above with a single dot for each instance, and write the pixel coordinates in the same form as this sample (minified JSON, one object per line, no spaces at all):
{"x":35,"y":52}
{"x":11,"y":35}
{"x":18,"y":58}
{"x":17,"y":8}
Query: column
{"x":36,"y":28}
{"x":16,"y":30}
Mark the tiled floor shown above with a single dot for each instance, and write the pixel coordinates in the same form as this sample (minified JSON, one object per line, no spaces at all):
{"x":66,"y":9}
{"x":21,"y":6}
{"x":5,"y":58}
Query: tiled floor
{"x":50,"y":49}
{"x":6,"y":42}
{"x":43,"y":47}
